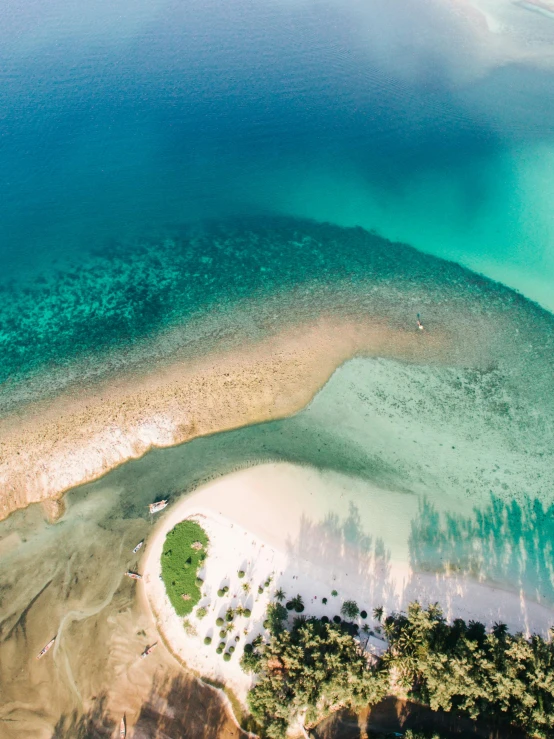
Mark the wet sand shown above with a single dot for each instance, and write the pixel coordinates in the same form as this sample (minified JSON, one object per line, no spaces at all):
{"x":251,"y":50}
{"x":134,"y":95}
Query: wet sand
{"x":56,"y":445}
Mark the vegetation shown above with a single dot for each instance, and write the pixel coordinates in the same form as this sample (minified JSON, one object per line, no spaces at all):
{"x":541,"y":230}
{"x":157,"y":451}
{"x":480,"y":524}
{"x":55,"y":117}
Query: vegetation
{"x":350,"y":609}
{"x":334,"y":593}
{"x":180,"y":563}
{"x":201,"y":612}
{"x":241,"y":573}
{"x":314,"y":665}
{"x":277,"y":614}
{"x":207,"y":640}
{"x":280,"y":595}
{"x":296,"y":604}
{"x":460,"y":668}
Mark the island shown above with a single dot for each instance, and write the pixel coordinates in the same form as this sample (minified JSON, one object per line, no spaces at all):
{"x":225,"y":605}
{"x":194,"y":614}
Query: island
{"x":291,"y":641}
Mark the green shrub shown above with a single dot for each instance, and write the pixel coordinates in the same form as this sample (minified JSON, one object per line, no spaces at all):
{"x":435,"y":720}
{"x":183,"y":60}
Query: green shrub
{"x":363,"y":614}
{"x":229,"y":615}
{"x":247,"y":612}
{"x":180,"y":566}
{"x":221,"y":645}
{"x":219,"y":650}
{"x":237,"y":637}
{"x":325,"y":619}
{"x":231,"y":649}
{"x":350,"y":609}
{"x":290,"y":605}
{"x":221,"y":592}
{"x":241,"y":573}
{"x":324,"y":601}
{"x":260,"y":590}
{"x":208,"y":640}
{"x":225,"y":588}
{"x":276,"y":615}
{"x":201,"y":612}
{"x":337,"y":619}
{"x":248,"y":647}
{"x":226,"y":656}
{"x":334,"y":593}
{"x":219,"y":621}
{"x":223,"y":633}
{"x":199,"y":581}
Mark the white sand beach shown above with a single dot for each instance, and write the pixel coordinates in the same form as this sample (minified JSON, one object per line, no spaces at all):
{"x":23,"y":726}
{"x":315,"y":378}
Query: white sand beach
{"x":283,"y":522}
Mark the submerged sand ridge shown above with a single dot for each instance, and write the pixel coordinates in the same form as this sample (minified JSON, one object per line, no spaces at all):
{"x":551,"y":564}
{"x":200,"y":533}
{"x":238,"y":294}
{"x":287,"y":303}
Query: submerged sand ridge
{"x":318,"y":295}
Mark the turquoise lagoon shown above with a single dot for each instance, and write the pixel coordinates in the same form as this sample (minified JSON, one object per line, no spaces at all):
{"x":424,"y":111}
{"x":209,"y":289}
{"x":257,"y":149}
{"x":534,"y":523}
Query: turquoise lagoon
{"x":165,"y":164}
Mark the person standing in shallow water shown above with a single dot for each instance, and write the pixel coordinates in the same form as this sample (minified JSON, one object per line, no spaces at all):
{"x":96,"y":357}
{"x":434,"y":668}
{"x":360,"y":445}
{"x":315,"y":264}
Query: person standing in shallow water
{"x":419,"y":324}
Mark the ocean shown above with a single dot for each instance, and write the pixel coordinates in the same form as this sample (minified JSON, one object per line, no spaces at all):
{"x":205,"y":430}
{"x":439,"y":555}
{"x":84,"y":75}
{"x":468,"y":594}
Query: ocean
{"x":163,"y":163}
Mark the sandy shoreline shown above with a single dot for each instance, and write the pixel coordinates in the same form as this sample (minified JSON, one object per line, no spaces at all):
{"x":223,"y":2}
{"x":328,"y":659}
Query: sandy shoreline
{"x":262,"y":539}
{"x":83,"y":434}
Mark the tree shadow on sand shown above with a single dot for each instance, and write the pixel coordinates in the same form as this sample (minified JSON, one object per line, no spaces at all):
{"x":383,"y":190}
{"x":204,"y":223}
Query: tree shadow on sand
{"x":506,"y":542}
{"x":96,"y":723}
{"x":183,"y":708}
{"x":180,"y":707}
{"x":341,"y":549}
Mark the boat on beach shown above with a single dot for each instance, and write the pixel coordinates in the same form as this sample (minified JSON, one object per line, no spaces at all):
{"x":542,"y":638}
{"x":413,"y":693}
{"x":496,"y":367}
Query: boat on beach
{"x":46,"y":648}
{"x":138,"y":546}
{"x":134,"y":575}
{"x":122,"y":728}
{"x":156,"y":507}
{"x":148,"y":650}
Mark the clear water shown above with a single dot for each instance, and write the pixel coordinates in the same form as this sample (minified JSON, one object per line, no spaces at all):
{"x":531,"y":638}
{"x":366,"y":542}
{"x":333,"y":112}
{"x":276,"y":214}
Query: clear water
{"x":125,"y":118}
{"x":123,"y":125}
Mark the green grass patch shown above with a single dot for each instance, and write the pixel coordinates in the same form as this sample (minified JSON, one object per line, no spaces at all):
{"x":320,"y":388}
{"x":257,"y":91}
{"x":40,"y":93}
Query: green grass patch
{"x":180,"y":563}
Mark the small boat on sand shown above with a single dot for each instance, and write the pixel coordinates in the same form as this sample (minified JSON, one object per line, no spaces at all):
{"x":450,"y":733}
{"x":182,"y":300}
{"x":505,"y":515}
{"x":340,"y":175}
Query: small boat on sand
{"x":156,"y":507}
{"x":134,"y":575}
{"x":47,"y":648}
{"x":148,"y":650}
{"x":122,"y":728}
{"x":138,"y":546}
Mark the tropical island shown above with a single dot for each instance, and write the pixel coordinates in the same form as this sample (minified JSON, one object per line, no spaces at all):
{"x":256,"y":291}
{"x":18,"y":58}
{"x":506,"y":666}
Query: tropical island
{"x":290,"y":648}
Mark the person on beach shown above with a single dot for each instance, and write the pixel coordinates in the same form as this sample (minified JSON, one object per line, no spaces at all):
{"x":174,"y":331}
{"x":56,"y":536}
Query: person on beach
{"x":419,"y":324}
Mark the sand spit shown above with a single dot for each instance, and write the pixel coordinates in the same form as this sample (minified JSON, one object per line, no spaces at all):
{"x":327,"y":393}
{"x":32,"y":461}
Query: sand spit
{"x":81,"y":435}
{"x":263,"y":540}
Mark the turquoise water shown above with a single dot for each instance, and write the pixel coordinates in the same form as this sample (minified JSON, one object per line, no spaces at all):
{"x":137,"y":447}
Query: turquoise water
{"x":165,"y":163}
{"x":127,"y":118}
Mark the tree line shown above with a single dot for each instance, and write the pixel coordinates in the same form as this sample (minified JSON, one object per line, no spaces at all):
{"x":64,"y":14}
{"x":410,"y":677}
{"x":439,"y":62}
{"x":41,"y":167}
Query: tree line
{"x":313,"y":666}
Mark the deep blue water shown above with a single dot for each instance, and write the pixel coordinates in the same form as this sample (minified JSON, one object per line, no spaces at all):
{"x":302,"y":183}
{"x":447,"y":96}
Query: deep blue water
{"x":124,"y":119}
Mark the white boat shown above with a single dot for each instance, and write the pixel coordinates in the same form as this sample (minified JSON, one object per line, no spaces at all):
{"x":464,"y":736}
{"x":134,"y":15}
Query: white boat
{"x":47,"y":648}
{"x":156,"y":507}
{"x":134,"y":575}
{"x":122,"y":728}
{"x":138,"y":546}
{"x":148,"y":650}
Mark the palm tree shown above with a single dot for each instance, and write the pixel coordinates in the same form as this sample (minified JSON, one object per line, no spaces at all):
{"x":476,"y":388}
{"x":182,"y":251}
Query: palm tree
{"x":298,"y":603}
{"x":350,"y":609}
{"x":499,"y":630}
{"x":378,"y":613}
{"x":280,"y":595}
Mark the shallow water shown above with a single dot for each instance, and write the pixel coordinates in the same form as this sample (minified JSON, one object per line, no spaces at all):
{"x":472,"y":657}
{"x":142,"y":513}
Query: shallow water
{"x":123,"y":124}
